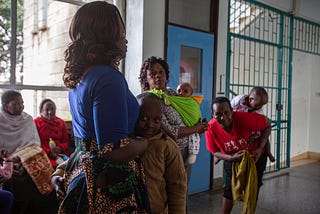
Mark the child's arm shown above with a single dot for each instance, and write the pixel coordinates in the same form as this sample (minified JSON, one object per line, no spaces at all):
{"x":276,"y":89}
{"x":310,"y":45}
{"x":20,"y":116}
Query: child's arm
{"x":262,"y":141}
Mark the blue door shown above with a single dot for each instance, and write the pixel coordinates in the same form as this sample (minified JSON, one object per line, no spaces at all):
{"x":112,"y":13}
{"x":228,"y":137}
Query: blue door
{"x":190,"y":57}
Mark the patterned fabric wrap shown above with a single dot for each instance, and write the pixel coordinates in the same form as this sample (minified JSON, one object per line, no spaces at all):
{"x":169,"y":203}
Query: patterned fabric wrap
{"x":97,"y":185}
{"x":38,"y":166}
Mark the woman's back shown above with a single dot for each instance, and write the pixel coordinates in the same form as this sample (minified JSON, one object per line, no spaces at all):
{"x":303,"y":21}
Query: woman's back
{"x":97,"y":106}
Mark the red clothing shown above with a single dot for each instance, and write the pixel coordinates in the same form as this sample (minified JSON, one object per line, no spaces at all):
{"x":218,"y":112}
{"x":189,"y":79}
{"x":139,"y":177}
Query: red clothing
{"x":244,"y":124}
{"x":55,"y":129}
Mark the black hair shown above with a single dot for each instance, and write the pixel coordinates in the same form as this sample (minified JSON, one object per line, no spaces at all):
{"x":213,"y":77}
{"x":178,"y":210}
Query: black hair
{"x":94,"y":32}
{"x":147,"y":65}
{"x":145,"y":95}
{"x":44,"y":102}
{"x":219,"y":100}
{"x":260,"y":91}
{"x":8,"y":96}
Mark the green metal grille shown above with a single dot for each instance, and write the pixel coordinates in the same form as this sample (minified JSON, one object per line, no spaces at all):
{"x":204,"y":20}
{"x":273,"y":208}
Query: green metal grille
{"x":306,"y":36}
{"x":259,"y":41}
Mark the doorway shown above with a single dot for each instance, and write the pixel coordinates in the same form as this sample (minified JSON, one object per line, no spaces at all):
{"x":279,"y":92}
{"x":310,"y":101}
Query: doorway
{"x":190,"y":58}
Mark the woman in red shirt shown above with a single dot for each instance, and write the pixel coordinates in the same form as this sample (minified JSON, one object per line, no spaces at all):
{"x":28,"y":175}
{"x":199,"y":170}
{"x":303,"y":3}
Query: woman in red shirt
{"x":231,"y":133}
{"x":54,"y":130}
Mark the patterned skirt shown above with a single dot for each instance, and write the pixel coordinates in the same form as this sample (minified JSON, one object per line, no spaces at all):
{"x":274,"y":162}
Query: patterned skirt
{"x":95,"y":184}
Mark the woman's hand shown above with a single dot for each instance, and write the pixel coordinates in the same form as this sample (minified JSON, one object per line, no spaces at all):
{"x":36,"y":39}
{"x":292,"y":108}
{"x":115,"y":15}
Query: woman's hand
{"x":3,"y":155}
{"x":229,"y":157}
{"x":18,"y":168}
{"x":58,"y":185}
{"x":201,"y":127}
{"x":237,"y":156}
{"x":55,"y":150}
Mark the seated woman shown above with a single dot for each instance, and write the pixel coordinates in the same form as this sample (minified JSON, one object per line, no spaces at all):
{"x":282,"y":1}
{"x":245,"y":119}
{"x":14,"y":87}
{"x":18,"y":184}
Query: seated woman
{"x":53,"y":132}
{"x":17,"y":133}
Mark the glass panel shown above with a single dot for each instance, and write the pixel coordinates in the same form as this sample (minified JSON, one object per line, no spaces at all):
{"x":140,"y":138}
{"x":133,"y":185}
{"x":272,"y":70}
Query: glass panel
{"x":190,"y":13}
{"x":190,"y":66}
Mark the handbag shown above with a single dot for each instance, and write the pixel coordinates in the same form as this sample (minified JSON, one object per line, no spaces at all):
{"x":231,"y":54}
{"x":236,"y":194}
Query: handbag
{"x":38,"y":166}
{"x":6,"y":168}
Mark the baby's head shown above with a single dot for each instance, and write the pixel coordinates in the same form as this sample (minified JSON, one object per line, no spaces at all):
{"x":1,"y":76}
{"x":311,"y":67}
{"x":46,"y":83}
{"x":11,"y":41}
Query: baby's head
{"x":258,"y":97}
{"x":149,"y":121}
{"x":184,"y":90}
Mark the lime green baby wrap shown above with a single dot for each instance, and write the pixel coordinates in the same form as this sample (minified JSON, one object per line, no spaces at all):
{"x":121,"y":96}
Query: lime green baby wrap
{"x":187,"y":107}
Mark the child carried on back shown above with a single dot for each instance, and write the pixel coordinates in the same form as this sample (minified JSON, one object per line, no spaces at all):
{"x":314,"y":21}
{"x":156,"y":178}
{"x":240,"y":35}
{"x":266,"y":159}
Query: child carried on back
{"x":253,"y":102}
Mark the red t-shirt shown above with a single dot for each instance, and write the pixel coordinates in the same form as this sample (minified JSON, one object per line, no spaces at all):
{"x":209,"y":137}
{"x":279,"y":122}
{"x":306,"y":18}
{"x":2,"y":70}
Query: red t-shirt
{"x":243,"y":126}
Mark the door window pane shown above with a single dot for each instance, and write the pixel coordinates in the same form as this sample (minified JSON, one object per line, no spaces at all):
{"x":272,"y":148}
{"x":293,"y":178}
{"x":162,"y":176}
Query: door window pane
{"x":190,"y":67}
{"x":190,"y":13}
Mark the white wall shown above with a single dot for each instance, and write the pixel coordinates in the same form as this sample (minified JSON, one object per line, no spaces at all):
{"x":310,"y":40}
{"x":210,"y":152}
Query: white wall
{"x":134,"y":28}
{"x":145,"y":34}
{"x":305,"y":115}
{"x":154,"y":28}
{"x":221,"y":63}
{"x":300,"y":103}
{"x":314,"y":97}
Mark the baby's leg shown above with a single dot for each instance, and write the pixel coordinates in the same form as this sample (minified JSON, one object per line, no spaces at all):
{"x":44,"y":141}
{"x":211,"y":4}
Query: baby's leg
{"x":193,"y":148}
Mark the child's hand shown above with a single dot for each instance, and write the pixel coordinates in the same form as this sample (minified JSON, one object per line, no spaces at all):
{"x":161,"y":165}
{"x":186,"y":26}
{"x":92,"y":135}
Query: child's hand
{"x":58,"y":184}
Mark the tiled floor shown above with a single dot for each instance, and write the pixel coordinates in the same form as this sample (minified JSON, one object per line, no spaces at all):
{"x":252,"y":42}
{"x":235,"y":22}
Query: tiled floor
{"x":295,"y":192}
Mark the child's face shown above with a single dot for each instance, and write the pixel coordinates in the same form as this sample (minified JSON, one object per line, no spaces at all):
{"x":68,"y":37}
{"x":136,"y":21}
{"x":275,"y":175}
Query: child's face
{"x":256,"y":102}
{"x":184,"y":90}
{"x":149,"y":121}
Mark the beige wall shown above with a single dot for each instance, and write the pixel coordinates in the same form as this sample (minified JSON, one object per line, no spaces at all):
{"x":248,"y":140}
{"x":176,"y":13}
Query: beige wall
{"x":305,"y":115}
{"x":43,"y":53}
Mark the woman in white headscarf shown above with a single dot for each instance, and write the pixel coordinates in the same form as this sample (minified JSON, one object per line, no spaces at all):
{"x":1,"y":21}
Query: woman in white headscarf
{"x":18,"y":132}
{"x":16,"y":126}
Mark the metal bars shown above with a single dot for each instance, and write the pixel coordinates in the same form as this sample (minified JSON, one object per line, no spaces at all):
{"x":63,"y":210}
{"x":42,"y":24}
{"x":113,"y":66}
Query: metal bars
{"x":258,"y":55}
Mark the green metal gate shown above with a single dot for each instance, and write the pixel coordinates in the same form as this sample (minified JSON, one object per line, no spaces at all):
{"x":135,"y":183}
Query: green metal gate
{"x":259,"y":54}
{"x":261,"y":40}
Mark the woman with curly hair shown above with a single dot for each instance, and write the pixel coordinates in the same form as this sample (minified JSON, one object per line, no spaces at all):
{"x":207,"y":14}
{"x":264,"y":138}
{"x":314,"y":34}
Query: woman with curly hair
{"x":154,"y":74}
{"x":103,"y":175}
